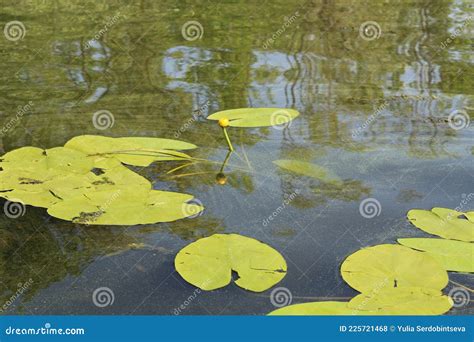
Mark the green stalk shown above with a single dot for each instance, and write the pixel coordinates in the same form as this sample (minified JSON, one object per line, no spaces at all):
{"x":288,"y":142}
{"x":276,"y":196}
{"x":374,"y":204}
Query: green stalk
{"x":231,"y":148}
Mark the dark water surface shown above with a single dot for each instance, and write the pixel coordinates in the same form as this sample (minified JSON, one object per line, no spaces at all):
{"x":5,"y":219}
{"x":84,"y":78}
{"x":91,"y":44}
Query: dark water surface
{"x":373,"y":111}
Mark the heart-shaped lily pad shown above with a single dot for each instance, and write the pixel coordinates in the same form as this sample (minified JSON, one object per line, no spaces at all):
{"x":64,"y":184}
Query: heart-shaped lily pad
{"x":402,"y":301}
{"x":386,"y":266}
{"x":125,"y":206}
{"x":447,"y":223}
{"x":453,"y":255}
{"x":208,"y":263}
{"x":256,"y":117}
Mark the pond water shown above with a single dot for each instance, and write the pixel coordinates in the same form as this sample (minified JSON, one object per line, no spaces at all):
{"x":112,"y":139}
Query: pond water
{"x":374,"y":110}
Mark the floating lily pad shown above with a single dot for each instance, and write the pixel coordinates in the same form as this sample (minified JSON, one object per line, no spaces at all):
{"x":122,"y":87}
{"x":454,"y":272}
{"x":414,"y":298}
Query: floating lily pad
{"x":447,"y":223}
{"x":386,"y":266}
{"x":402,"y":301}
{"x":125,"y":206}
{"x":308,"y":169}
{"x":90,"y":189}
{"x":256,"y":117}
{"x":316,"y":309}
{"x":453,"y":255}
{"x":208,"y":263}
{"x":132,"y":151}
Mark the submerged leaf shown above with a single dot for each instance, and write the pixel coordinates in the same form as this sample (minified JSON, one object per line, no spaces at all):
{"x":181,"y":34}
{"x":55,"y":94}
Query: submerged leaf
{"x":453,"y":255}
{"x":256,"y":117}
{"x":137,"y":151}
{"x":386,"y":266}
{"x":308,"y":169}
{"x":447,"y":223}
{"x":402,"y":301}
{"x":316,"y":309}
{"x":208,"y":263}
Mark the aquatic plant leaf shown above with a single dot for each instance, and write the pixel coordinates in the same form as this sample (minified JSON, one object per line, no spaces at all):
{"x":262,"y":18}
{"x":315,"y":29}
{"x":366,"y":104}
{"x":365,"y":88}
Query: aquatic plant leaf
{"x":208,"y":263}
{"x":308,"y":169}
{"x":59,"y":159}
{"x":256,"y":117}
{"x":138,"y":151}
{"x":402,"y":301}
{"x":386,"y":266}
{"x":447,"y":223}
{"x":316,"y":309}
{"x":55,"y":179}
{"x":125,"y":206}
{"x":453,"y":255}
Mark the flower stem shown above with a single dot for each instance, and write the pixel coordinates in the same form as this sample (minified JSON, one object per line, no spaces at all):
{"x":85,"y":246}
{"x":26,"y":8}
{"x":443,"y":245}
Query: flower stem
{"x":231,"y":148}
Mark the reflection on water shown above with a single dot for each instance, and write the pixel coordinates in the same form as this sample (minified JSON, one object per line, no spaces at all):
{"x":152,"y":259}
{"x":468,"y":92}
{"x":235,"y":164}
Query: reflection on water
{"x":376,"y":111}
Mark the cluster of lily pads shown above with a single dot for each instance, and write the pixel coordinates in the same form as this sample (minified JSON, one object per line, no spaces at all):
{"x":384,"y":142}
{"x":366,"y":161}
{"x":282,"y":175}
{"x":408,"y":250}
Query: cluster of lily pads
{"x":86,"y":181}
{"x":392,"y":279}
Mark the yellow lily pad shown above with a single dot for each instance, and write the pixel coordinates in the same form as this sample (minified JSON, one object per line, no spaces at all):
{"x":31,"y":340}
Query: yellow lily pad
{"x":453,"y":255}
{"x":208,"y":263}
{"x":386,"y":266}
{"x":255,"y":117}
{"x":447,"y":223}
{"x":402,"y":301}
{"x":125,"y":206}
{"x":138,"y":151}
{"x":308,"y":169}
